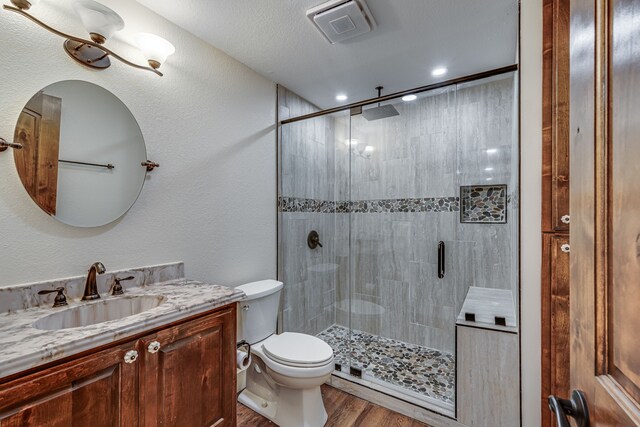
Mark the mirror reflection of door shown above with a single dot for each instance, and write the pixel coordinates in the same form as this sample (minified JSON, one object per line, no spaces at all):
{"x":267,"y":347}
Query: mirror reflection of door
{"x":605,"y":208}
{"x":38,"y":130}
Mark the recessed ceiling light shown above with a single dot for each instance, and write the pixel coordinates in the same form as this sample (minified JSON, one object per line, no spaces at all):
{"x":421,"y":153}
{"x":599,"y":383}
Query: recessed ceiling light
{"x":492,"y":150}
{"x":341,"y":97}
{"x":440,"y":71}
{"x":488,"y":169}
{"x":408,"y":98}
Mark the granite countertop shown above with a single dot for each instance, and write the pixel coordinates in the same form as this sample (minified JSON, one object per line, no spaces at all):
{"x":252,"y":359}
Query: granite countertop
{"x":22,"y":346}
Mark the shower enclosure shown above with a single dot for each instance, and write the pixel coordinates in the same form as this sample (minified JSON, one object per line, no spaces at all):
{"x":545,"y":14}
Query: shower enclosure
{"x":410,"y":210}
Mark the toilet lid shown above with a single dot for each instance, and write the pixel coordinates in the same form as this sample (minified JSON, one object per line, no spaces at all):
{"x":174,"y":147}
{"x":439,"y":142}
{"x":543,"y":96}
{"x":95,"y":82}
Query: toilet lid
{"x":293,"y":349}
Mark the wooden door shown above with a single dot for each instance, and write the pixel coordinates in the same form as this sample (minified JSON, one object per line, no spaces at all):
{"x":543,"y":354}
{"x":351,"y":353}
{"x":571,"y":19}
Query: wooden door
{"x":605,"y":208}
{"x":38,"y":130}
{"x":189,"y":374}
{"x":99,"y":390}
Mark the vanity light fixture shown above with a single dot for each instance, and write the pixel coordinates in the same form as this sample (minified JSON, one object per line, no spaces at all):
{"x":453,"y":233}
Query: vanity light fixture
{"x":154,"y":48}
{"x":101,"y":23}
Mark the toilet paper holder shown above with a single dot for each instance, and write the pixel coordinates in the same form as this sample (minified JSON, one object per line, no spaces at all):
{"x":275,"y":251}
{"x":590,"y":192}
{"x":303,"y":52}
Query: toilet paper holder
{"x":245,"y":344}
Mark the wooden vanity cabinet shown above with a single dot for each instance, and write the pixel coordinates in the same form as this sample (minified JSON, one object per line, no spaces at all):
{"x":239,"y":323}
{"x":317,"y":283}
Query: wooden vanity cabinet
{"x":184,"y":375}
{"x":97,"y":390}
{"x":188,"y":375}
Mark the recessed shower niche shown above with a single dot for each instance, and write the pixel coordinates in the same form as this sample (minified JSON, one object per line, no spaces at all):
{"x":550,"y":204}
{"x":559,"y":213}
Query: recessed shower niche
{"x":412,"y":212}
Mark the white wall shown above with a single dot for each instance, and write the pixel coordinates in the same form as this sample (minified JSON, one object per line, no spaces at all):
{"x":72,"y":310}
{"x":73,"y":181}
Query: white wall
{"x":209,"y":122}
{"x":531,"y":173}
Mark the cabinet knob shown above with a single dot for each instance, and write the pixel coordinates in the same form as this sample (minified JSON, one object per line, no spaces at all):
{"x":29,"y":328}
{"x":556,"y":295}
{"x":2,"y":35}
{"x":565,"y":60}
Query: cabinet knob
{"x":565,"y":248}
{"x":130,"y":356}
{"x":565,"y":219}
{"x":153,"y":347}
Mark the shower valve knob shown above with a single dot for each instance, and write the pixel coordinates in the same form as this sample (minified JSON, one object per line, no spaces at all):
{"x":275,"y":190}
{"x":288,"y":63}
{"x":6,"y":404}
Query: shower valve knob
{"x":313,"y":240}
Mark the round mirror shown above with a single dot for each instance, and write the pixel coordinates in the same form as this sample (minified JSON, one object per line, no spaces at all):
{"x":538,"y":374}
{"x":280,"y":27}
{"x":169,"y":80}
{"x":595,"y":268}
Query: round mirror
{"x":82,"y":153}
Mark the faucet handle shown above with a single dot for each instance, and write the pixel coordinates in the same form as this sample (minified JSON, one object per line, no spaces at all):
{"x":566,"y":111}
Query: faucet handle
{"x":60,"y":300}
{"x":117,"y":287}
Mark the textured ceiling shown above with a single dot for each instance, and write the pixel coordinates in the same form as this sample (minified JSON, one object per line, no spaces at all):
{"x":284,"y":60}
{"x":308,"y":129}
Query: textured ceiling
{"x":275,"y":38}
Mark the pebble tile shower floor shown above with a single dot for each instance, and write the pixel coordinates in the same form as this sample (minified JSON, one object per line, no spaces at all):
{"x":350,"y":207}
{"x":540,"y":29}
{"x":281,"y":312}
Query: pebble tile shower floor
{"x":418,"y":369}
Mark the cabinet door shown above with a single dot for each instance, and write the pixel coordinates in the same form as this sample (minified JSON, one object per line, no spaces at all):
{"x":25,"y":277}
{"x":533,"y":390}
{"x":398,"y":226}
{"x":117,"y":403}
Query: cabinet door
{"x":97,"y":390}
{"x":555,"y":329}
{"x":555,"y":117}
{"x":189,"y":377}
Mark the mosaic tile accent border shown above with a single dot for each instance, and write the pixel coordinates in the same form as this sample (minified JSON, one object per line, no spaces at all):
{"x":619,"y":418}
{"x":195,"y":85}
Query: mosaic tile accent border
{"x":421,"y":370}
{"x":427,"y":204}
{"x":484,"y":204}
{"x":297,"y":204}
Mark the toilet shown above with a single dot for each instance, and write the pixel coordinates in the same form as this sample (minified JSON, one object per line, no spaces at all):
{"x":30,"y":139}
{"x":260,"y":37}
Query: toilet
{"x":284,"y":378}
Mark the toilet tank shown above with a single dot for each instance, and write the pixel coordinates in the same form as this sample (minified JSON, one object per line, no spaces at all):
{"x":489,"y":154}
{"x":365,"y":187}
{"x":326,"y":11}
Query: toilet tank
{"x":258,"y":312}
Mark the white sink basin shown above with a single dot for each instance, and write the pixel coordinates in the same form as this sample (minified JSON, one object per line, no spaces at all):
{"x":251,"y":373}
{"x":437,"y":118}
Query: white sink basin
{"x":98,"y":312}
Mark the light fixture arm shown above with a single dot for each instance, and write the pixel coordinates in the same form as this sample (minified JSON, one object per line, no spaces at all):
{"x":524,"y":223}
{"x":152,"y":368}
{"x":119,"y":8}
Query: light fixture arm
{"x":78,"y":39}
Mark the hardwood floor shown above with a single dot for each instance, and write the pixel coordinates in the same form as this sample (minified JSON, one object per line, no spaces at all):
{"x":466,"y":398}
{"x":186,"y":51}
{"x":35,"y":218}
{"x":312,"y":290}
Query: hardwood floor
{"x":344,"y":410}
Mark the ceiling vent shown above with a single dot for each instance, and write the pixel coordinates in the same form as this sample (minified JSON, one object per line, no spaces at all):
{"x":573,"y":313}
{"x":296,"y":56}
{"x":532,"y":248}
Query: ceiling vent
{"x":340,"y":20}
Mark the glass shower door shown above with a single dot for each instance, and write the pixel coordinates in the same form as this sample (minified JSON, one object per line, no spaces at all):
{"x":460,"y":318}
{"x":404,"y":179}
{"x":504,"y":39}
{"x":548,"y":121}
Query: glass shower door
{"x":402,"y":220}
{"x":400,"y":250}
{"x":307,"y":204}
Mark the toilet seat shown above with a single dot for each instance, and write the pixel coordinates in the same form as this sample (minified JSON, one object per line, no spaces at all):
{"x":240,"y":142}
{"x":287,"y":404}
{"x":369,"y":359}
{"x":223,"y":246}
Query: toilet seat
{"x":297,"y":350}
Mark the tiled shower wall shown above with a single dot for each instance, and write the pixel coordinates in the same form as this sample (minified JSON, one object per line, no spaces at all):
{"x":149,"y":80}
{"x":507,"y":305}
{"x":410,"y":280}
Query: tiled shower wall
{"x":434,"y":146}
{"x":384,"y":244}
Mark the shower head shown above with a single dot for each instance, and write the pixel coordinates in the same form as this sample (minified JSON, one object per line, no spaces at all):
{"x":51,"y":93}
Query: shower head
{"x":380,"y":112}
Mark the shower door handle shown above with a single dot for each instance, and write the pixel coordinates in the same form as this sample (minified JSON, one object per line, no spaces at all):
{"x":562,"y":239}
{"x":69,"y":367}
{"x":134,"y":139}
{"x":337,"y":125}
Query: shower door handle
{"x":441,"y":263}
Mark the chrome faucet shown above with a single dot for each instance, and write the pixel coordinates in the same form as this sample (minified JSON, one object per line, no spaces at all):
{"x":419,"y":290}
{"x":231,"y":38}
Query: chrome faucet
{"x":91,"y":287}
